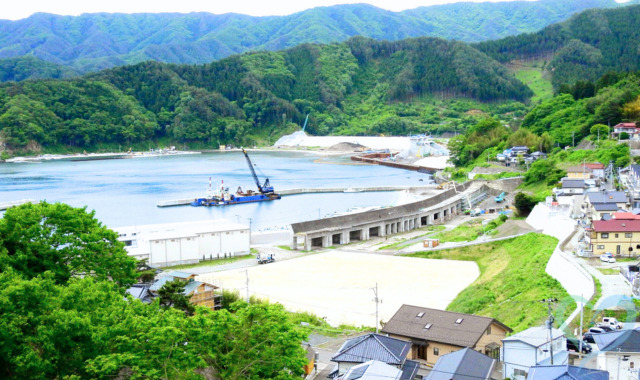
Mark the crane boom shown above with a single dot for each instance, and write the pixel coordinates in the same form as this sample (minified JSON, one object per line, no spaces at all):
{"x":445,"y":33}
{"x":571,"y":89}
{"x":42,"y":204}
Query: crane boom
{"x":264,"y":189}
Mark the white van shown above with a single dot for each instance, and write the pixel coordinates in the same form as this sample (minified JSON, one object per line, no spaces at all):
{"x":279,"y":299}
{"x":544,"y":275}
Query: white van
{"x":611,"y":321}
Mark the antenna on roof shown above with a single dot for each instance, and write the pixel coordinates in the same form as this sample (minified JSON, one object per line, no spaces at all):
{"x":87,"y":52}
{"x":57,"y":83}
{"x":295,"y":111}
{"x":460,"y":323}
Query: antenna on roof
{"x":377,"y":301}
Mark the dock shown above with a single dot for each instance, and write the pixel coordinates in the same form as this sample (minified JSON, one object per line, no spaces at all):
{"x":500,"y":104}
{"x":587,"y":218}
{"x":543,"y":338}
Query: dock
{"x":187,"y":201}
{"x":6,"y":205}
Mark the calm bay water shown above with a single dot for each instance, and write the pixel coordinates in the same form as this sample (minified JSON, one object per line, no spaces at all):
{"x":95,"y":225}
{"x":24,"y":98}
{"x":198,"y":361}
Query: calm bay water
{"x":125,"y":191}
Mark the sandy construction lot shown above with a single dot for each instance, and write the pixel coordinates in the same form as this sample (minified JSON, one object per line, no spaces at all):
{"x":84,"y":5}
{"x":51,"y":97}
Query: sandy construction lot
{"x":337,"y":285}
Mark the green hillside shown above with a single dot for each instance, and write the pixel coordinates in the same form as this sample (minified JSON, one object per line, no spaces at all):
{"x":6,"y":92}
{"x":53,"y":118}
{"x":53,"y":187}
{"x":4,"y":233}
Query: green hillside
{"x":362,"y":86}
{"x":582,"y":48}
{"x":92,"y":42}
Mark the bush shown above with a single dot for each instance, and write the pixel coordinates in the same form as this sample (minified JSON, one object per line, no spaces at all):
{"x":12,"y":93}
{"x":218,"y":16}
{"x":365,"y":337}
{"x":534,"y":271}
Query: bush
{"x":524,"y":204}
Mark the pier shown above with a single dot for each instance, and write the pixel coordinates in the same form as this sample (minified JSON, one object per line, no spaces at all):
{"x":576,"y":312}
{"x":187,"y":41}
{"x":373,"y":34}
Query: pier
{"x":6,"y":205}
{"x":187,"y":201}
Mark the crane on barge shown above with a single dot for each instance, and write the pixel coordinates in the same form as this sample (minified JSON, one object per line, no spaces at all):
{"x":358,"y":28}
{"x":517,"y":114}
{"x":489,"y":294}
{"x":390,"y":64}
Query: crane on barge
{"x":222,"y":197}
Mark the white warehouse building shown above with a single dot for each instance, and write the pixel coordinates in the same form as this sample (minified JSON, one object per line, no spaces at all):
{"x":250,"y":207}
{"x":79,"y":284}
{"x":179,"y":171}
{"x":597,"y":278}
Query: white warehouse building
{"x":185,"y":243}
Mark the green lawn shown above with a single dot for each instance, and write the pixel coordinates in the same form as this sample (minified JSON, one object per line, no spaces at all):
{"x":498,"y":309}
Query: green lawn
{"x":209,"y":263}
{"x":468,"y":231}
{"x":609,"y":271}
{"x":512,"y":281}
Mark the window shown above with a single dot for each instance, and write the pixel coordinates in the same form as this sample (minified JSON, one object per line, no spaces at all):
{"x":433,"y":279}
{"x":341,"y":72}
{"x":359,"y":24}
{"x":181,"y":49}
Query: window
{"x":604,"y":235}
{"x":600,"y":246}
{"x":489,"y":330}
{"x":420,"y":315}
{"x":519,"y":372}
{"x":459,"y":321}
{"x":436,"y":351}
{"x":428,"y":326}
{"x":616,"y":235}
{"x":628,"y":235}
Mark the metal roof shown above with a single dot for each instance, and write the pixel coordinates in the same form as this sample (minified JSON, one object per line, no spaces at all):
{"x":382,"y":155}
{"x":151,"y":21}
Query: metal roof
{"x":444,"y":328}
{"x":465,"y":364}
{"x":534,"y":336}
{"x":372,"y":370}
{"x":607,"y":197}
{"x":616,"y":225}
{"x":606,"y":207}
{"x":373,"y":347}
{"x":573,"y":183}
{"x":622,"y":341}
{"x":566,"y":372}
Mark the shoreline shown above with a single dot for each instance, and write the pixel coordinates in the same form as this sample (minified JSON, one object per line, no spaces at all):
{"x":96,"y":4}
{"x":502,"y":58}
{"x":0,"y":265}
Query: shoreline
{"x":95,"y":156}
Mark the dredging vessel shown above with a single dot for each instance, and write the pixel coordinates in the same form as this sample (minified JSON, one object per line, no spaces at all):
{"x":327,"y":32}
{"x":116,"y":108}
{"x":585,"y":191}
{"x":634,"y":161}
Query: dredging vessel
{"x":222,"y":197}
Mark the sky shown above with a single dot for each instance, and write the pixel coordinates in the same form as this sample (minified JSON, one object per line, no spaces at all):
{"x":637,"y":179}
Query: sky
{"x":24,"y":8}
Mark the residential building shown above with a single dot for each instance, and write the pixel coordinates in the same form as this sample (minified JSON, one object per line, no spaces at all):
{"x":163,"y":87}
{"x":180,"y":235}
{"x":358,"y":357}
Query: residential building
{"x":185,"y":243}
{"x":573,"y":186}
{"x":618,"y":236}
{"x":600,"y":197}
{"x":532,"y":347}
{"x":629,"y":128}
{"x":464,"y":364}
{"x":597,"y":169}
{"x":372,"y":370}
{"x":377,"y":347}
{"x":202,"y":293}
{"x":619,"y":353}
{"x":579,"y":172}
{"x":603,"y":211}
{"x":565,"y":372}
{"x":434,"y":332}
{"x":634,"y":175}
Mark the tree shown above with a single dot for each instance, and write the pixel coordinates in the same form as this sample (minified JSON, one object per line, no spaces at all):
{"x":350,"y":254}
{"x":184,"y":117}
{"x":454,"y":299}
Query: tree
{"x":599,"y":131}
{"x":69,"y":242}
{"x":172,"y":295}
{"x":524,"y":204}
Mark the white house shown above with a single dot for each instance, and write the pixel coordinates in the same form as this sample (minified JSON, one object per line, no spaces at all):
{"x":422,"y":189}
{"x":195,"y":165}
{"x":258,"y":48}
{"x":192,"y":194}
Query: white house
{"x":619,"y":353}
{"x":185,"y":243}
{"x":532,"y":347}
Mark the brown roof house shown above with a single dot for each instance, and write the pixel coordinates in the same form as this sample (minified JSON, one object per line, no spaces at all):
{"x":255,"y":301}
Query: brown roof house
{"x":435,"y":332}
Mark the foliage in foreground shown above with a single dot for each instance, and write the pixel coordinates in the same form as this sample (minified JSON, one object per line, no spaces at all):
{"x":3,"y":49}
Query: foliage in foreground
{"x":67,"y":241}
{"x":87,"y":330}
{"x":512,"y":280}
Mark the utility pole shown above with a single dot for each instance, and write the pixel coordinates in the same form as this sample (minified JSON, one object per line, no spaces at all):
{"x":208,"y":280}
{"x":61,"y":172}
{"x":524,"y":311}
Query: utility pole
{"x":246,"y":271}
{"x":581,"y":318}
{"x":377,"y":301}
{"x":573,"y":136}
{"x":549,"y":323}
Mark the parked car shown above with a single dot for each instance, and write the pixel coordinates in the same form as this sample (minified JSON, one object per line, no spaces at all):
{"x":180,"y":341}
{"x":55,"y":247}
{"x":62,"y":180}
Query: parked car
{"x":611,"y":321}
{"x":588,"y":337}
{"x":605,"y":327}
{"x":596,"y":330}
{"x":573,"y":344}
{"x":607,"y":257}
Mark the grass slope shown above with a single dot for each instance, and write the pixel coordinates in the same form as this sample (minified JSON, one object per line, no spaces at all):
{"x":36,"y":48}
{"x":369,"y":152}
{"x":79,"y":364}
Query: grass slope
{"x":512,"y":281}
{"x":532,"y":75}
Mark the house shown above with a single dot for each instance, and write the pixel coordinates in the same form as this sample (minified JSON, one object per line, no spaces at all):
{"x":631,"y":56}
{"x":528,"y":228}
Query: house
{"x":434,"y":332}
{"x":377,"y":347}
{"x":202,"y":293}
{"x":618,"y":236}
{"x":600,"y":197}
{"x":573,"y":186}
{"x":465,"y":364}
{"x":634,"y":175}
{"x":619,"y":353}
{"x":372,"y":370}
{"x":597,"y":169}
{"x":565,"y":372}
{"x":603,"y":211}
{"x":629,"y":128}
{"x":141,"y":292}
{"x":579,"y":172}
{"x":532,"y":347}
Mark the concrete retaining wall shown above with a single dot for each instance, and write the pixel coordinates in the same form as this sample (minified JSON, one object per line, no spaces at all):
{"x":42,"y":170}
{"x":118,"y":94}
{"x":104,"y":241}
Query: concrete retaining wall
{"x":338,"y":222}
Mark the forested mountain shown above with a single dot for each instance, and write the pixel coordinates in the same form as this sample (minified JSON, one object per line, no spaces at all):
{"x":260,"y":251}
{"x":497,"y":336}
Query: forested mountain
{"x":92,"y":42}
{"x":30,"y":67}
{"x":360,"y":86}
{"x":582,"y":48}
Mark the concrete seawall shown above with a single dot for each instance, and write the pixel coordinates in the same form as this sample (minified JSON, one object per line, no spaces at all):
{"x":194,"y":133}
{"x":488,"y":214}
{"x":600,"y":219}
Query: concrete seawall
{"x":187,"y":201}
